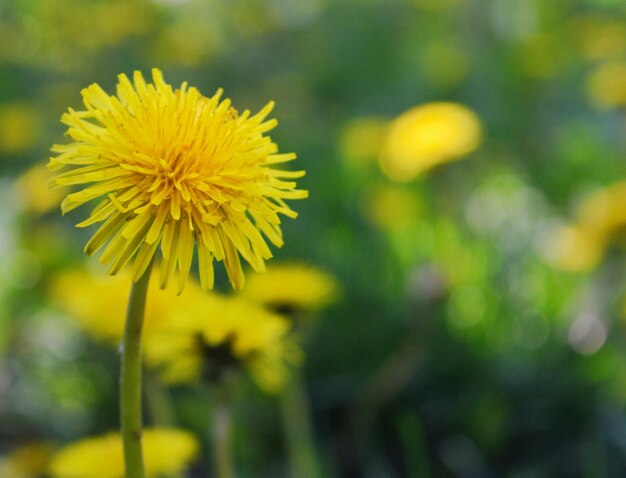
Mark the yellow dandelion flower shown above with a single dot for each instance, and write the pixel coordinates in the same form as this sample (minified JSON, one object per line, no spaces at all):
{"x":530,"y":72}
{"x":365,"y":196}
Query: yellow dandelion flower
{"x":291,"y":288}
{"x":27,"y":461}
{"x":573,"y":248}
{"x":601,"y":216}
{"x":604,"y":211}
{"x":32,"y":189}
{"x":98,"y":302}
{"x":211,"y":339}
{"x":606,"y":85}
{"x":167,"y":451}
{"x":173,"y":169}
{"x":428,"y":135}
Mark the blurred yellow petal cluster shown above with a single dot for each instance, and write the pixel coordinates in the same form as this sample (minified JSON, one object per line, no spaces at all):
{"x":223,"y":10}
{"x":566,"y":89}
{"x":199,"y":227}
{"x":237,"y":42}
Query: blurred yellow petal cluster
{"x":98,"y":302}
{"x":166,"y":452}
{"x":32,"y":188}
{"x":175,"y":170}
{"x":606,"y":85}
{"x":20,"y":126}
{"x":426,"y":136}
{"x":573,"y":248}
{"x":292,"y":287}
{"x":185,"y":336}
{"x":219,"y":336}
{"x":580,"y":246}
{"x":604,"y":211}
{"x":28,"y":461}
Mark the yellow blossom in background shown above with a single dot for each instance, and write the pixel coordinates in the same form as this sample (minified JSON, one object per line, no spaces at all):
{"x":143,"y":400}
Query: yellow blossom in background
{"x":181,"y":329}
{"x":173,"y":168}
{"x":20,"y":127}
{"x":292,"y":287}
{"x":28,"y":461}
{"x":426,"y":136}
{"x":604,"y":211}
{"x":362,"y":138}
{"x":98,"y":302}
{"x":606,"y":85}
{"x":32,"y":188}
{"x":573,"y":248}
{"x":166,"y":452}
{"x":600,"y":216}
{"x":216,"y":336}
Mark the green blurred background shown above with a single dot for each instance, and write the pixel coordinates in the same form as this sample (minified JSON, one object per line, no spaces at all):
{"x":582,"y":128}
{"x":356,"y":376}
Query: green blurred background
{"x":480,"y":330}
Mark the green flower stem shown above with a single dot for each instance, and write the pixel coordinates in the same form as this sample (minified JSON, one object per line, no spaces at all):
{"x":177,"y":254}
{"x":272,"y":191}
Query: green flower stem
{"x":221,"y":433}
{"x":296,"y":414}
{"x":130,"y":381}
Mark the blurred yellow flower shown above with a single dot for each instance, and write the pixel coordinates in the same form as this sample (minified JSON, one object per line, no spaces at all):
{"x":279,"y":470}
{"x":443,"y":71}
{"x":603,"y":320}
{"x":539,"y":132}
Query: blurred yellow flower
{"x":361,"y":139}
{"x":604,"y":211}
{"x":292,"y":287}
{"x":36,"y":197}
{"x":573,"y":248}
{"x":599,"y":217}
{"x":606,"y":85}
{"x":428,"y":135}
{"x":220,"y":335}
{"x":174,"y":168}
{"x":166,"y":451}
{"x":20,"y":126}
{"x":28,"y":461}
{"x":98,"y":302}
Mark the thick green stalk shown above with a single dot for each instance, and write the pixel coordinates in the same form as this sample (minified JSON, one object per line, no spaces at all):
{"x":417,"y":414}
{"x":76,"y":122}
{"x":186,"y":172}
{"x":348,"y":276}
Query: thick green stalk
{"x":130,"y":380}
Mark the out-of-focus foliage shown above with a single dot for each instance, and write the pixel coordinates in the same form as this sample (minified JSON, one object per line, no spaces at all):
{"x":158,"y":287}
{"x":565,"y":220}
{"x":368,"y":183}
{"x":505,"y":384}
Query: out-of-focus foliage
{"x":480,"y":326}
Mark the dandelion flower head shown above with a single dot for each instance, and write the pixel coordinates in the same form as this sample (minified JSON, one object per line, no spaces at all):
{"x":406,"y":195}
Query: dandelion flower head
{"x":426,"y":136}
{"x":604,"y":211}
{"x":220,"y":336}
{"x":166,"y":451}
{"x":175,"y":169}
{"x":600,"y":220}
{"x":292,"y":287}
{"x":573,"y":248}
